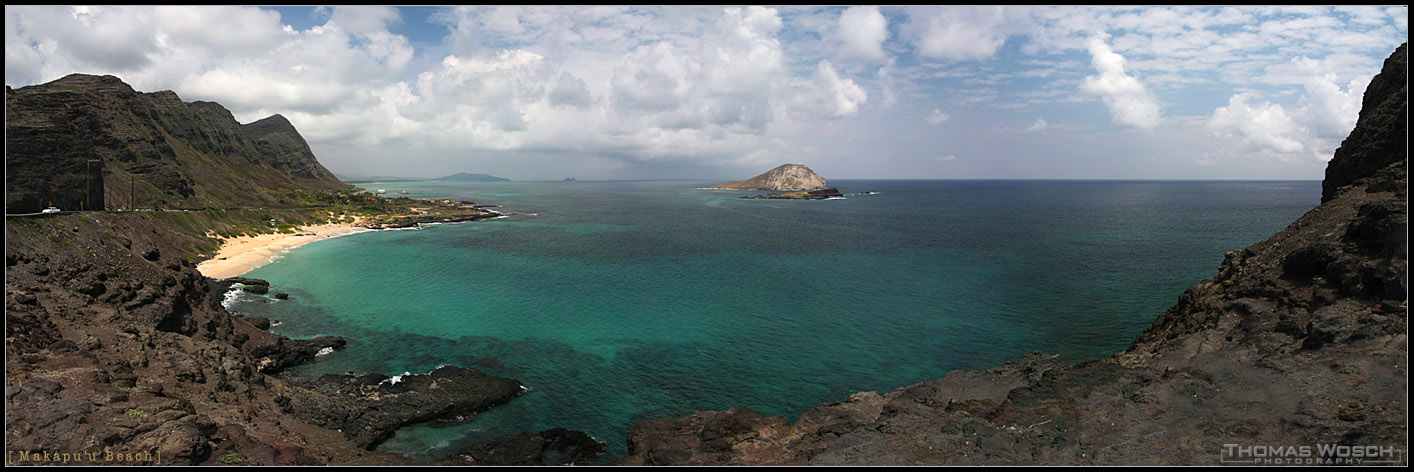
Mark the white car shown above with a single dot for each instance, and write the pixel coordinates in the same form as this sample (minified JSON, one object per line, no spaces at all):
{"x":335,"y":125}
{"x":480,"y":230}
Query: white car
{"x":50,"y":210}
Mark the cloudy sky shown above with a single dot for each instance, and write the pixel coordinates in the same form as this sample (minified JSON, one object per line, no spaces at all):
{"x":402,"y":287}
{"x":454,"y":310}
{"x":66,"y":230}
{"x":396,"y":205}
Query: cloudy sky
{"x":543,"y":93}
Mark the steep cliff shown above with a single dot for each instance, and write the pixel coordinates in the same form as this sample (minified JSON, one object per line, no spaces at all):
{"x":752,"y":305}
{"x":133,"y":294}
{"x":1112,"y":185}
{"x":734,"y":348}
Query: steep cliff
{"x":1300,"y":340}
{"x":142,"y":149}
{"x":1378,"y":139}
{"x":783,"y":177}
{"x":282,"y":147}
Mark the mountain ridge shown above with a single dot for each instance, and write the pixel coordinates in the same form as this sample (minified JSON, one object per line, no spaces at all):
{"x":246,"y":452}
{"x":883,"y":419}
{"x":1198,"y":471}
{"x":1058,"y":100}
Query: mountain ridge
{"x":93,"y":142}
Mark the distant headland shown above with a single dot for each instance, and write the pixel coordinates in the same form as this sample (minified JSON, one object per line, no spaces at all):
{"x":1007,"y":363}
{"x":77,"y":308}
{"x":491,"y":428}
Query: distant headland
{"x":465,"y":177}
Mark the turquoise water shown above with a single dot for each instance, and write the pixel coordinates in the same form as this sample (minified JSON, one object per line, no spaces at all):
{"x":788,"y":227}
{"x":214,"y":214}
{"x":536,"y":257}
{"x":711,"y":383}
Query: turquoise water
{"x":615,"y":302}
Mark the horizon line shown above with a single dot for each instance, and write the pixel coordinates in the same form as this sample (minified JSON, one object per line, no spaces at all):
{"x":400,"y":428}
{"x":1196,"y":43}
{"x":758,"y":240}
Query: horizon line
{"x":1072,"y":179}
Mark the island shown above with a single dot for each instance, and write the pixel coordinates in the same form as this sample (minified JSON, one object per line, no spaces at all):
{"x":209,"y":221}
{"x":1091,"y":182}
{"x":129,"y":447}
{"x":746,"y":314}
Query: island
{"x":789,"y":177}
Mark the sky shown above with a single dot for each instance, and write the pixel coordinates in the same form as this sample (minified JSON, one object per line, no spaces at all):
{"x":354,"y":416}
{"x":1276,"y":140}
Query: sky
{"x":727,"y":92}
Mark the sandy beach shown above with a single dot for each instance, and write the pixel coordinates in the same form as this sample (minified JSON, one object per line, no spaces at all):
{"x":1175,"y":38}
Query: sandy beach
{"x":240,"y":255}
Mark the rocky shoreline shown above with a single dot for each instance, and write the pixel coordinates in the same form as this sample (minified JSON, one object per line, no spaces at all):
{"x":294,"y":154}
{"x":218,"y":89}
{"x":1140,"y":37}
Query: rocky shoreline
{"x":820,"y":194}
{"x":115,"y":342}
{"x":368,"y":408}
{"x":411,"y":221}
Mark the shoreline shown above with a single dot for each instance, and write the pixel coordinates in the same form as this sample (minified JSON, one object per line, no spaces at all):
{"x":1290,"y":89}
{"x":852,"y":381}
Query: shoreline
{"x":243,"y":254}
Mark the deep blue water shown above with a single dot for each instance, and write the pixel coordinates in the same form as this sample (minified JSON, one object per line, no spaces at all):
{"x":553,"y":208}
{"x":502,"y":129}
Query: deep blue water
{"x":616,"y":302}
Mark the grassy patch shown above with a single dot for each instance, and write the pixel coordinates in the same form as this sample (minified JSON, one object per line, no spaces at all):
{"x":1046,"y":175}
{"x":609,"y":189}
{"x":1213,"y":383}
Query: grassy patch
{"x":138,"y":413}
{"x":51,"y":374}
{"x":232,"y":458}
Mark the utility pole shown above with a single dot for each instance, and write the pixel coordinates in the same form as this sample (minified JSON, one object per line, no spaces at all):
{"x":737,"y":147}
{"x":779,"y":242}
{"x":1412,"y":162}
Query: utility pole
{"x":87,"y":191}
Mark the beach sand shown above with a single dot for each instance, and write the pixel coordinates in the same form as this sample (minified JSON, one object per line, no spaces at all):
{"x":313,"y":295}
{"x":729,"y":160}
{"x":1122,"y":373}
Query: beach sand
{"x":242,"y":254}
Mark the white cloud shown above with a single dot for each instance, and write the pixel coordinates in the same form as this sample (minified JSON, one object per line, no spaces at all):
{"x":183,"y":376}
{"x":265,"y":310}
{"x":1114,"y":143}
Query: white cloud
{"x":1039,"y":125}
{"x":1330,"y":112}
{"x":1129,"y":102}
{"x":842,"y":97}
{"x":570,"y":91}
{"x":863,"y":31}
{"x":1325,"y":117}
{"x":937,"y":117}
{"x":366,"y":20}
{"x":1259,"y":126}
{"x":956,"y":33}
{"x":946,"y":158}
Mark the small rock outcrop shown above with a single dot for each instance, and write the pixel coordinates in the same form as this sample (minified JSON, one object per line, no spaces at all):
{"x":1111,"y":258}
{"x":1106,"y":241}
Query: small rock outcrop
{"x":821,"y":194}
{"x":556,"y":446}
{"x":367,"y":408}
{"x":784,"y":177}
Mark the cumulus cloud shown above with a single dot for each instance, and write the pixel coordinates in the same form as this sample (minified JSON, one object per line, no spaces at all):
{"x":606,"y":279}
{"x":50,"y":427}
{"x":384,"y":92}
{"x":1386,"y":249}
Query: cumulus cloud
{"x":1260,"y":126}
{"x":570,"y":91}
{"x":1330,"y":112}
{"x":830,"y":95}
{"x":85,"y":38}
{"x":368,"y":20}
{"x":242,"y":57}
{"x":956,"y":33}
{"x":863,"y":30}
{"x":937,"y":117}
{"x":727,"y":77}
{"x":1039,"y":125}
{"x":1325,"y":116}
{"x":1129,"y":102}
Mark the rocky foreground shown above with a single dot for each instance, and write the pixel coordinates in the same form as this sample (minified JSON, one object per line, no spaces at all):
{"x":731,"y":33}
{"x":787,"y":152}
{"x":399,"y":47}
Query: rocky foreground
{"x":1300,"y":340}
{"x":114,"y":343}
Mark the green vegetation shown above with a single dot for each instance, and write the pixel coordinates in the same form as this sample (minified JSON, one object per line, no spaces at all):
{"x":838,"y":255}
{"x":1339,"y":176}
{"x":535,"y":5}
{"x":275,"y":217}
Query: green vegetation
{"x":51,"y":374}
{"x":195,"y":233}
{"x":232,"y":458}
{"x":137,"y":412}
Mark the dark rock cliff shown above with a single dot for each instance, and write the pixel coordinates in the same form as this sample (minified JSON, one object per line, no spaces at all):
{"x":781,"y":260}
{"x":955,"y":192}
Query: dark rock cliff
{"x":283,"y":148}
{"x":1380,"y":137}
{"x":140,"y":149}
{"x":1300,"y":340}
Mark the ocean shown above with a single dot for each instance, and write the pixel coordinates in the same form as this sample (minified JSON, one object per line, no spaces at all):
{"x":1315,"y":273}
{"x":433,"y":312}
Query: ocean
{"x":617,"y":302}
